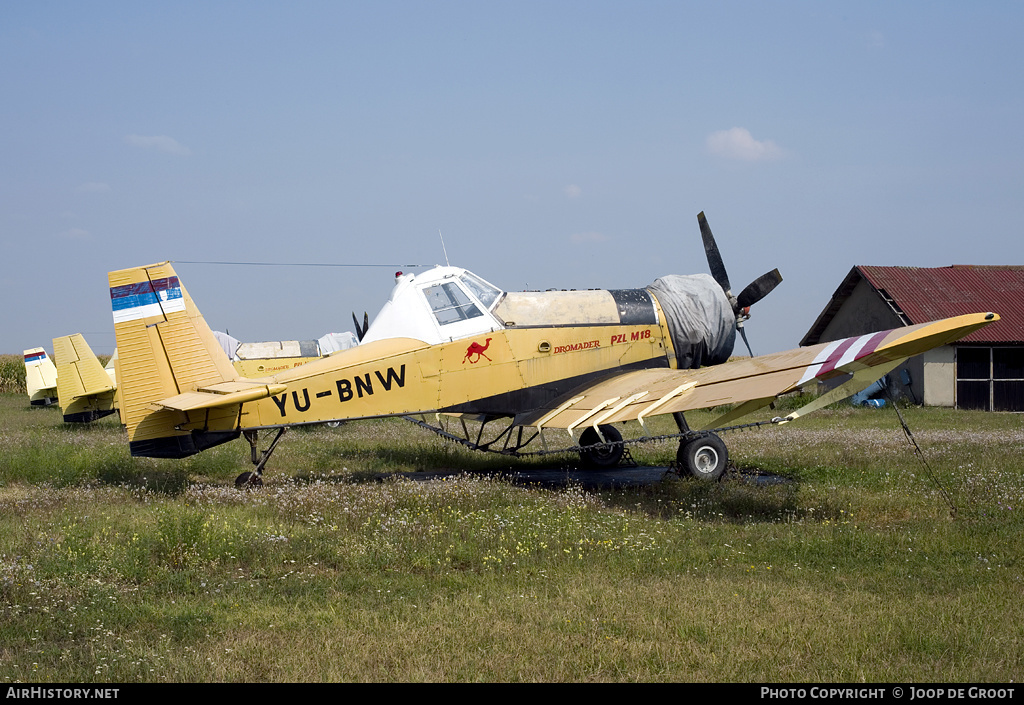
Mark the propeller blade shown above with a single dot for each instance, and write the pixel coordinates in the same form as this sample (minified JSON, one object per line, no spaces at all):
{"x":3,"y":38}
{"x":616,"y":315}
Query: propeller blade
{"x":361,"y":330}
{"x":714,"y":256}
{"x":759,"y":288}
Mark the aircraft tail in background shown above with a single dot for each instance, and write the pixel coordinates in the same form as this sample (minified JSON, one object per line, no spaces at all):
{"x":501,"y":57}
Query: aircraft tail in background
{"x":40,"y":378}
{"x":85,"y":388}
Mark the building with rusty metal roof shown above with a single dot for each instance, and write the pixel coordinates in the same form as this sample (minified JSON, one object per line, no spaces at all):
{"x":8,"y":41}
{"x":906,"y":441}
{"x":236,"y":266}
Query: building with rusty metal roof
{"x":985,"y":370}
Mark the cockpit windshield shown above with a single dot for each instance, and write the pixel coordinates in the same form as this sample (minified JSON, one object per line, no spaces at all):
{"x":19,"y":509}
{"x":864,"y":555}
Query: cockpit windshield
{"x":486,"y":293}
{"x":450,"y":304}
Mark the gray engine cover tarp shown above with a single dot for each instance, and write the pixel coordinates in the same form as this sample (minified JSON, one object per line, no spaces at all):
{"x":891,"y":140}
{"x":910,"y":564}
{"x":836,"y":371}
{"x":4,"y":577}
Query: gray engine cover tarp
{"x":700,"y":318}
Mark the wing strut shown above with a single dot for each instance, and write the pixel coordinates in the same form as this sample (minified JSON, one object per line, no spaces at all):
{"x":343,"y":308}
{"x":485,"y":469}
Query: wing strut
{"x":859,"y":381}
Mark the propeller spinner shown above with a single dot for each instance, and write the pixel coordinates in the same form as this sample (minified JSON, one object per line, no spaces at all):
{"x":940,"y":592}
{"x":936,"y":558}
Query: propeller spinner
{"x":751,"y":294}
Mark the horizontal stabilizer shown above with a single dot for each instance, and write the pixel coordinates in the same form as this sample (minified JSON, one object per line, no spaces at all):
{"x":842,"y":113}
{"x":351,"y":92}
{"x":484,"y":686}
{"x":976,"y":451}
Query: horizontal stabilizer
{"x":219,"y":395}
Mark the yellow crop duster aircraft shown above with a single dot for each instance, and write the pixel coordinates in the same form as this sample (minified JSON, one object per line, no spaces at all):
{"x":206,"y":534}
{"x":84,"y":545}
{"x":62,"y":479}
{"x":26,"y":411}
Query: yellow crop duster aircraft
{"x":448,"y":342}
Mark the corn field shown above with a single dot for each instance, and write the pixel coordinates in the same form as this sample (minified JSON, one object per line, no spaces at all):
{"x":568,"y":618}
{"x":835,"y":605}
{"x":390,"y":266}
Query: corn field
{"x":12,"y":373}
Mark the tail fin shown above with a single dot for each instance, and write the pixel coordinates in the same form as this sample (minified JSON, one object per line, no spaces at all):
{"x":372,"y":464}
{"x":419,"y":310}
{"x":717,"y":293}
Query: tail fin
{"x":40,"y":378}
{"x":85,"y":389}
{"x":166,"y":349}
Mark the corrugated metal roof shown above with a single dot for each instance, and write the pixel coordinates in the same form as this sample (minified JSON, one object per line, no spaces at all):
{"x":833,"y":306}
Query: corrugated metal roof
{"x":927,"y":294}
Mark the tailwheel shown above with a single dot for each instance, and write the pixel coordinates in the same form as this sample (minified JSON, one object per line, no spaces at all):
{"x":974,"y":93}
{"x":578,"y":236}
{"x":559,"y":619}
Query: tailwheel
{"x":704,"y":457}
{"x":601,"y":455}
{"x":259,"y":459}
{"x":248,"y":479}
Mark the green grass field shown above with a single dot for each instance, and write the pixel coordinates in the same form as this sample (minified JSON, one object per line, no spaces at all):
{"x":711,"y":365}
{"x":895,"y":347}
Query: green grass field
{"x":866,"y":566}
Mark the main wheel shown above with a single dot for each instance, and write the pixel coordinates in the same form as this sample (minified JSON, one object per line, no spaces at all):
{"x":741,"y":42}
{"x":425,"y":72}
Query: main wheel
{"x":704,"y":457}
{"x":601,"y":456}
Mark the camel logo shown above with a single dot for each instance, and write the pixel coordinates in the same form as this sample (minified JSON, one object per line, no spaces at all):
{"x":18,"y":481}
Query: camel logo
{"x":478,"y":350}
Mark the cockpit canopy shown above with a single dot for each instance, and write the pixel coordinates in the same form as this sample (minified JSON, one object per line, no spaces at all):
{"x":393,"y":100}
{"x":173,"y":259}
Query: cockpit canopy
{"x":441,"y":304}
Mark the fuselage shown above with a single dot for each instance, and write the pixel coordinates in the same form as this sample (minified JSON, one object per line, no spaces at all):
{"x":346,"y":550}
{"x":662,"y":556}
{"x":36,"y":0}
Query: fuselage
{"x":499,"y":374}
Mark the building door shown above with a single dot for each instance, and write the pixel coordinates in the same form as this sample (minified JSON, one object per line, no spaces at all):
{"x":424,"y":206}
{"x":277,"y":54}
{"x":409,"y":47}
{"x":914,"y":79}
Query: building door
{"x":990,"y":379}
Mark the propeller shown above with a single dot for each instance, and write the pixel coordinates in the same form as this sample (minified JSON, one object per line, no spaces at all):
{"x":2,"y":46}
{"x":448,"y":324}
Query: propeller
{"x":758,"y":289}
{"x":751,"y":294}
{"x":361,"y":330}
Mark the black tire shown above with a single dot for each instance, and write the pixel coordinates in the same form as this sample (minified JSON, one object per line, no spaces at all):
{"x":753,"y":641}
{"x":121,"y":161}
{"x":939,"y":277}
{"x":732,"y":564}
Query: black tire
{"x":247,"y":480}
{"x":704,"y":457}
{"x":601,"y":456}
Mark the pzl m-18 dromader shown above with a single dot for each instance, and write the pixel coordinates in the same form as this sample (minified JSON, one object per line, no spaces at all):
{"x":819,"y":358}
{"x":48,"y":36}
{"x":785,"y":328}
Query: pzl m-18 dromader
{"x":448,"y":343}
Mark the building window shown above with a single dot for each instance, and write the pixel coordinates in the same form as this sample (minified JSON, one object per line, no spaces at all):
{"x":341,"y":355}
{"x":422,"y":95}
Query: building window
{"x":990,"y":379}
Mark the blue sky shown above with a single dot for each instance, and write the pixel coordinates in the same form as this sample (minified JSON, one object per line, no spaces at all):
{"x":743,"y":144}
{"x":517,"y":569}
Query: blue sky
{"x":554,"y":144}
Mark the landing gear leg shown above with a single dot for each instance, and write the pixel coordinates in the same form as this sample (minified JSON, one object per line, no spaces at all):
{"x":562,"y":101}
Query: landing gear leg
{"x":681,"y":422}
{"x":255,"y":477}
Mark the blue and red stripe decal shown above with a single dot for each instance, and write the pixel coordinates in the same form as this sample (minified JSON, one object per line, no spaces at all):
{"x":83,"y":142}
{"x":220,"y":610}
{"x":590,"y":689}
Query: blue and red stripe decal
{"x":144,"y":299}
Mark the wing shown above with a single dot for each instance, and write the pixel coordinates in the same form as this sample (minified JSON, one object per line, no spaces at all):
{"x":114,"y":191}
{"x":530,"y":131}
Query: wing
{"x":749,"y":383}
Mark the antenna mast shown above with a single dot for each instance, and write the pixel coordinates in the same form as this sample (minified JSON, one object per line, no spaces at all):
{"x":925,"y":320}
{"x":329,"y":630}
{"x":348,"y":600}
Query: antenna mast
{"x":445,"y":249}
